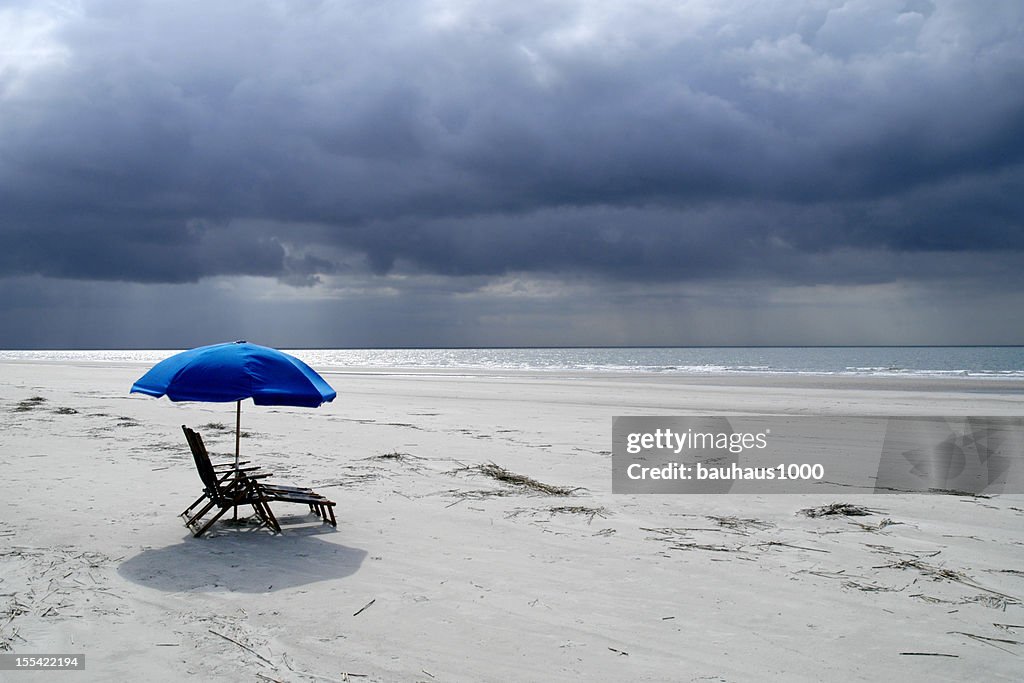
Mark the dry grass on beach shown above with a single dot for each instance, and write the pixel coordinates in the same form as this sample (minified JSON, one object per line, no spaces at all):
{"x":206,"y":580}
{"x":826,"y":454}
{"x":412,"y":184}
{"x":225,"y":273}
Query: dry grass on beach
{"x":839,"y":509}
{"x":521,"y":481}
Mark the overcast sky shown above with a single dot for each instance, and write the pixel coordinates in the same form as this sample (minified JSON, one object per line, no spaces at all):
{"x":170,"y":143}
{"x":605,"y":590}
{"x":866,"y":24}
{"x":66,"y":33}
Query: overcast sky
{"x":567,"y":172}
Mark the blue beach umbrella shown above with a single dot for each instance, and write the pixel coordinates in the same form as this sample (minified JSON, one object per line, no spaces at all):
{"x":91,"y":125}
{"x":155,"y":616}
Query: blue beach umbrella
{"x":224,"y":373}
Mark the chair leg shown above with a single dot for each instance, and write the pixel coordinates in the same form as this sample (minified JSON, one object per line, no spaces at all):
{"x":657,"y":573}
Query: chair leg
{"x":258,"y":510}
{"x":195,"y":518}
{"x":210,"y":523}
{"x":190,"y":507}
{"x":267,"y":514}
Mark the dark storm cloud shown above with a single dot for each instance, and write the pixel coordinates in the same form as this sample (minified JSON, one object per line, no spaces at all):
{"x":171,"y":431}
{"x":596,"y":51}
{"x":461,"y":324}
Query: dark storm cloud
{"x":167,"y":143}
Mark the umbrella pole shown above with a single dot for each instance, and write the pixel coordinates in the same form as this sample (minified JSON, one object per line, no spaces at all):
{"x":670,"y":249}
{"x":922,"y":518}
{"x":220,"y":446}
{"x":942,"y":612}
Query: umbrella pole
{"x":238,"y":436}
{"x":238,"y":429}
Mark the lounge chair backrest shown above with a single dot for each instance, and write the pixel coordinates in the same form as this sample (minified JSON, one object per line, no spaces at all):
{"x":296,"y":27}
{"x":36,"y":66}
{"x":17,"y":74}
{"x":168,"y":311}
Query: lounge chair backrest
{"x":203,"y":465}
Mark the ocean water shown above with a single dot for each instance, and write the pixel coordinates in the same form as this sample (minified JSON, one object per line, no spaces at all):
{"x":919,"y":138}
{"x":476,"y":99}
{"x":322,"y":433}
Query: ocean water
{"x":929,"y":361}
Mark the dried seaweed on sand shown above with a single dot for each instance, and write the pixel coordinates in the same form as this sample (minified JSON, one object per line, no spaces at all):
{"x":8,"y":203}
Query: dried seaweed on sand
{"x":838,"y":510}
{"x":521,"y":480}
{"x":937,"y":573}
{"x":583,"y":510}
{"x":876,"y":527}
{"x":741,"y":525}
{"x":395,"y":456}
{"x":29,"y":404}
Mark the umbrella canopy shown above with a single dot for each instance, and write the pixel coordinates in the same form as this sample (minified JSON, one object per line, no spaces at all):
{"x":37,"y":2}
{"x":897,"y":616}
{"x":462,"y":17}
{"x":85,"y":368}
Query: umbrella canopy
{"x":223,"y":373}
{"x":230,"y":372}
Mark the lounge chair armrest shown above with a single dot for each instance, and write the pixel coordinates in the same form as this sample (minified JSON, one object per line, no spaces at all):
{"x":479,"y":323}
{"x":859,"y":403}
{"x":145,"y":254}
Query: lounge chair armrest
{"x":293,"y":489}
{"x":257,"y":475}
{"x":240,"y":470}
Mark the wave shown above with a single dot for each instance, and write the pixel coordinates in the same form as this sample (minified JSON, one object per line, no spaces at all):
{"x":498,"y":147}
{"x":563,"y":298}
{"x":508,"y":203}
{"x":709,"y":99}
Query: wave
{"x":975,"y":362}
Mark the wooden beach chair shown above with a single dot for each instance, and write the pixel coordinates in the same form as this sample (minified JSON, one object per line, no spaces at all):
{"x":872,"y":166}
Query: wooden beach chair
{"x":222,"y":471}
{"x":227,"y":470}
{"x":228,"y":489}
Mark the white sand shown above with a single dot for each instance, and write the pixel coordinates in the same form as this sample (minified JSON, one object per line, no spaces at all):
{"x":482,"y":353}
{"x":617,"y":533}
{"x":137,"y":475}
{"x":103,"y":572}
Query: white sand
{"x":94,"y":560}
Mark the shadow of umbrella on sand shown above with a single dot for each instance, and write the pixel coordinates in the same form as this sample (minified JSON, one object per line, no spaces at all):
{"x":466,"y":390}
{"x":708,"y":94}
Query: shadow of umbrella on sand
{"x":244,"y":563}
{"x":231,"y":372}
